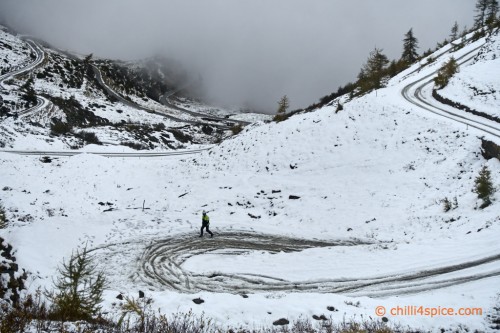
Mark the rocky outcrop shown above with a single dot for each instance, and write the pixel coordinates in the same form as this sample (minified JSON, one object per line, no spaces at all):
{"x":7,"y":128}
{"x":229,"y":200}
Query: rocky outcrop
{"x":11,"y":278}
{"x":459,"y":106}
{"x":490,"y":150}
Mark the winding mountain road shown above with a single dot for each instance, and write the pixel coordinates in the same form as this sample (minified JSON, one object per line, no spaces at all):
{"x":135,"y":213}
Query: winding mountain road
{"x":204,"y":119}
{"x":68,"y":153}
{"x":40,"y":57}
{"x":165,"y":101}
{"x":414,"y":93}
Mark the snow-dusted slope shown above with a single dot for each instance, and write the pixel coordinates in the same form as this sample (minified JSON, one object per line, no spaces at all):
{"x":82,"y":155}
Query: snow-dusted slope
{"x":324,"y":209}
{"x":477,"y":85}
{"x":73,"y":94}
{"x":14,"y":53}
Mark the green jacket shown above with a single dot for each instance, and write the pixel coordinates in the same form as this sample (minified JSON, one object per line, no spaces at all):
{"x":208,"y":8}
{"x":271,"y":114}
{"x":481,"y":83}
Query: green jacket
{"x":205,"y":219}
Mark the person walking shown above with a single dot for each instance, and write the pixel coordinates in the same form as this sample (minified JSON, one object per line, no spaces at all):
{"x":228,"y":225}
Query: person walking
{"x":205,"y":224}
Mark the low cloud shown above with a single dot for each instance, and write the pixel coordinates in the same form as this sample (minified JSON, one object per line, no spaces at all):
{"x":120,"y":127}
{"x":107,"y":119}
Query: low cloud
{"x":249,"y":53}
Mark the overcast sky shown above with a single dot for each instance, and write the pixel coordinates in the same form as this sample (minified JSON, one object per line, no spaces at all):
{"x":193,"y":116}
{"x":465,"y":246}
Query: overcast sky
{"x":249,"y":52}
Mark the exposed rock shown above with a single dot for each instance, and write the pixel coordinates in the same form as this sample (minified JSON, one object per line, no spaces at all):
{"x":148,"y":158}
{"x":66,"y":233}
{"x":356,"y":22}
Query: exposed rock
{"x":208,"y":130}
{"x":11,"y":279}
{"x":490,"y":150}
{"x":198,"y":301}
{"x":281,"y":322}
{"x":322,"y":317}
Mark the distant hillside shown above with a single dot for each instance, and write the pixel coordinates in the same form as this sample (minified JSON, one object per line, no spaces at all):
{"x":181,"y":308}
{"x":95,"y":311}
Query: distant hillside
{"x":67,"y":102}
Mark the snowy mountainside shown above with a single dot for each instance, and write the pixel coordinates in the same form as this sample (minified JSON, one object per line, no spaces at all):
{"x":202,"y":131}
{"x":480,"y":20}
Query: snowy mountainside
{"x":365,"y":186}
{"x":477,"y":85}
{"x":13,"y":52}
{"x":370,"y":155}
{"x":74,"y":97}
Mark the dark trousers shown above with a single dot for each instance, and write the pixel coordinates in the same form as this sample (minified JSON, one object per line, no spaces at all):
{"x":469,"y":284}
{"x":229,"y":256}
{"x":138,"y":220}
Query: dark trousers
{"x":206,"y":225}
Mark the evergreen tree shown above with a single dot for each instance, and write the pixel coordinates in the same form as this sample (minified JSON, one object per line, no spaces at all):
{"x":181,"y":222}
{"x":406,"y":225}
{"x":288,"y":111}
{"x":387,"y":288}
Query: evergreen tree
{"x":87,"y":69}
{"x":78,"y":289}
{"x":410,"y":45}
{"x":445,"y":73}
{"x":372,"y":73}
{"x":491,"y":12}
{"x":454,"y":32}
{"x":396,"y":67}
{"x":88,"y":58}
{"x":283,"y":105}
{"x":464,"y":32}
{"x":481,"y":8}
{"x":484,"y":187}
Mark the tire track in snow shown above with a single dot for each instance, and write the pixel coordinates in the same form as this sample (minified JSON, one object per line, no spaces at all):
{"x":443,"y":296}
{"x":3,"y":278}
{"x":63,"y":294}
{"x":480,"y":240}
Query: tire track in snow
{"x":105,"y":154}
{"x":161,"y":266}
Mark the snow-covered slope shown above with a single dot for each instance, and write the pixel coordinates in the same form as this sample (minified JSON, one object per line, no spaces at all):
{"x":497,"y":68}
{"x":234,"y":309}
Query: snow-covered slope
{"x":73,"y":94}
{"x":13,"y":52}
{"x":324,"y":209}
{"x":477,"y":85}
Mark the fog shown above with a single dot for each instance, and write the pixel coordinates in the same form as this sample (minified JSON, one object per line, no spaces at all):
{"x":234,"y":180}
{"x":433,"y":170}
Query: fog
{"x":248,"y":52}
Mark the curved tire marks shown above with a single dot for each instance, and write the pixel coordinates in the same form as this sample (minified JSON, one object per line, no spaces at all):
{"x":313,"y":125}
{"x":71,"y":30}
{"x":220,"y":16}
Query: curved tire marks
{"x":161,"y":264}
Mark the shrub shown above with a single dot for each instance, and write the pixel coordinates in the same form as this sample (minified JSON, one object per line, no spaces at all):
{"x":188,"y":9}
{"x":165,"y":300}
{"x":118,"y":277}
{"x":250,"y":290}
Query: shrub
{"x":60,"y":128}
{"x":484,"y":187}
{"x":88,"y":137}
{"x":139,"y":317}
{"x":19,"y":318}
{"x":78,"y":289}
{"x":133,"y":145}
{"x":3,"y":218}
{"x":180,"y":136}
{"x":446,"y":205}
{"x":280,"y":117}
{"x":445,"y":73}
{"x":159,"y":127}
{"x":236,"y":129}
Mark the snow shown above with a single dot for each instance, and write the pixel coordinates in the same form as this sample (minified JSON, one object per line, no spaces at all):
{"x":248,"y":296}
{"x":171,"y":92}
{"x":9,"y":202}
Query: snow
{"x":477,"y":85}
{"x":370,"y":177}
{"x":231,"y":112}
{"x":13,"y":58}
